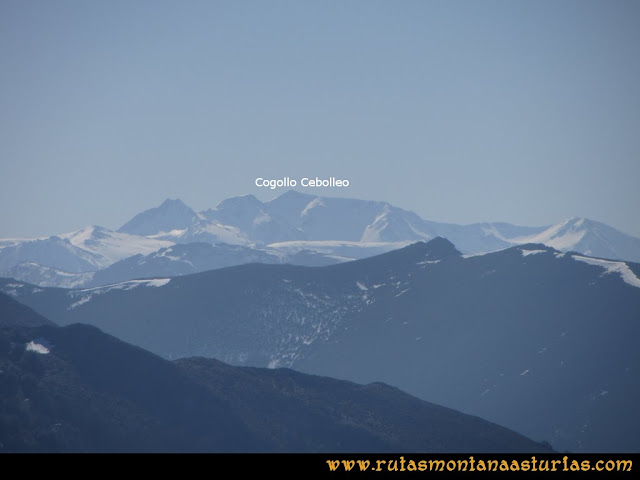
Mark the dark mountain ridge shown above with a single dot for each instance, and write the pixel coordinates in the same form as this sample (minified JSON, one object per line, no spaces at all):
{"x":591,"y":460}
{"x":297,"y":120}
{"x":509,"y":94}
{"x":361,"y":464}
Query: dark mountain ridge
{"x":76,"y":389}
{"x":529,"y":337}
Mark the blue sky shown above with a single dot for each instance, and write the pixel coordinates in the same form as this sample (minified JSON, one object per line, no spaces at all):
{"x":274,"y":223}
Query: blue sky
{"x":462,"y":111}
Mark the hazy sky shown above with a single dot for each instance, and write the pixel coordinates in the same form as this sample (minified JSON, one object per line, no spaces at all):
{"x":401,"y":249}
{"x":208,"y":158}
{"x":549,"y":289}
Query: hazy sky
{"x":462,"y":111}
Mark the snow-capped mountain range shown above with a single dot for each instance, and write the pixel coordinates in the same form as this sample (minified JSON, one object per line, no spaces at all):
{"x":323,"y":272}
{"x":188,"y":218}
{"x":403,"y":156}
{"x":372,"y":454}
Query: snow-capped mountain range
{"x":293,"y":228}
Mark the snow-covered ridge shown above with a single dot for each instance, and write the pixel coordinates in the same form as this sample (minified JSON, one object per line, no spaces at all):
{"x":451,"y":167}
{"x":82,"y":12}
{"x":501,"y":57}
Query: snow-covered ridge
{"x":87,"y":294}
{"x":205,"y":231}
{"x":86,"y":250}
{"x":339,"y":229}
{"x":36,"y":274}
{"x":612,"y":267}
{"x":341,"y":248}
{"x":109,"y":246}
{"x":302,"y":244}
{"x":128,"y":285}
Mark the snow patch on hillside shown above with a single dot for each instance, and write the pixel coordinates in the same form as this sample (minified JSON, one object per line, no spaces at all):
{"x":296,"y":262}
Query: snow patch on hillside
{"x":428,"y":262}
{"x":526,"y":253}
{"x":316,"y":202}
{"x":37,"y":347}
{"x":612,"y":267}
{"x":470,"y":255}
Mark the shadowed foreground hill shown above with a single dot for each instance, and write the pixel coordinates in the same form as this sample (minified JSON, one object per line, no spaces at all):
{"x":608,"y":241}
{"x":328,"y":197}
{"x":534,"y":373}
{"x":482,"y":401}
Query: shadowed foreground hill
{"x":76,"y":389}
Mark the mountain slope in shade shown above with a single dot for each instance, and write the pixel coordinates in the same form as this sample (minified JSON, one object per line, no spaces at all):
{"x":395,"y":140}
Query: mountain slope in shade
{"x":76,"y":389}
{"x":183,"y":259}
{"x":380,"y":411}
{"x":13,"y":313}
{"x":540,"y":341}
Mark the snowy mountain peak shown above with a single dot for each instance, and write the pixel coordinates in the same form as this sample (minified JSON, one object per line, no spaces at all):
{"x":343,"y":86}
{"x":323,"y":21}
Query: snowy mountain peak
{"x":170,"y":215}
{"x":295,"y":223}
{"x":562,"y":236}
